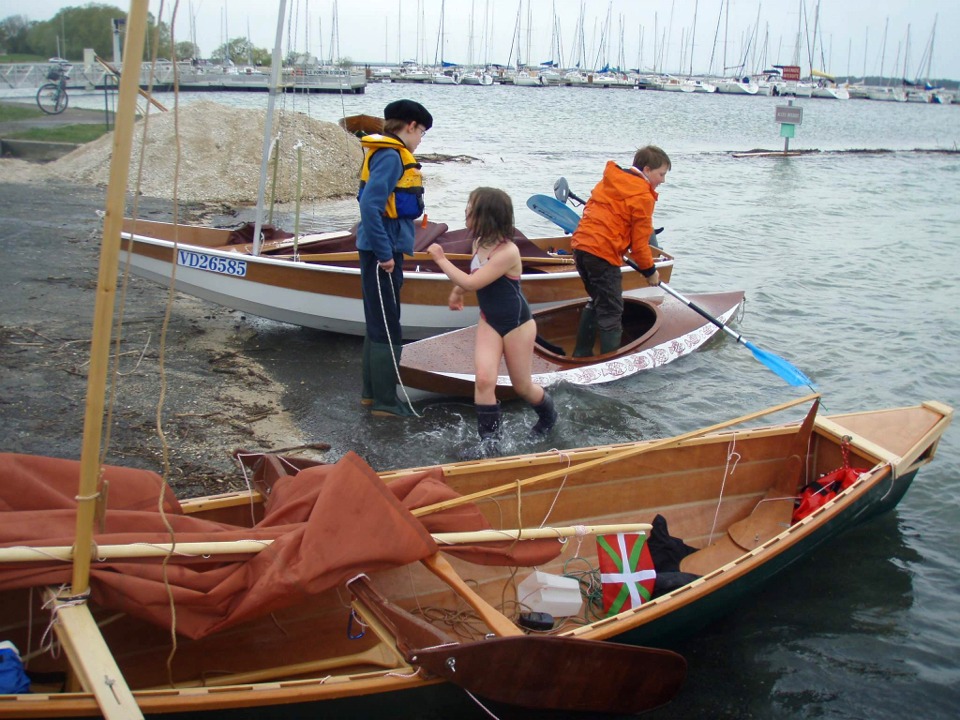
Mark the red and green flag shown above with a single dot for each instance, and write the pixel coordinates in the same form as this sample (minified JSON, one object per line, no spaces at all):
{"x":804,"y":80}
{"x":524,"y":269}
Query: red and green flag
{"x":626,"y":571}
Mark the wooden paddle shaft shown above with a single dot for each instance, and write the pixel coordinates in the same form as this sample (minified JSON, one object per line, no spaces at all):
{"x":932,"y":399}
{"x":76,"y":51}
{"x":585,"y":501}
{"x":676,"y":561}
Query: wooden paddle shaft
{"x":497,"y":621}
{"x":197,"y":550}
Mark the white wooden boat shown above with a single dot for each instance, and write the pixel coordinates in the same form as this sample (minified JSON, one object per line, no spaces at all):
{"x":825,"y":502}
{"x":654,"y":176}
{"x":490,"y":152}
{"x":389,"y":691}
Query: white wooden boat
{"x":319,"y":287}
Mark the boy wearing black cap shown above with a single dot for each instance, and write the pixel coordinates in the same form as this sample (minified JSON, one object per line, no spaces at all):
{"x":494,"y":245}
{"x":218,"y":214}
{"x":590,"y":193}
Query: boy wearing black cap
{"x":391,"y":198}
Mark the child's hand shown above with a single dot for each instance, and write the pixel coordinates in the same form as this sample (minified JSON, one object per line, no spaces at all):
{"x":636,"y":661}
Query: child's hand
{"x":456,"y":299}
{"x":436,"y":252}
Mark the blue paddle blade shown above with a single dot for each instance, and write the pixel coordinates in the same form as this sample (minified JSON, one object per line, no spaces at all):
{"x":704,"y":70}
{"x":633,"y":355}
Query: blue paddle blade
{"x":555,"y":211}
{"x":781,"y":367}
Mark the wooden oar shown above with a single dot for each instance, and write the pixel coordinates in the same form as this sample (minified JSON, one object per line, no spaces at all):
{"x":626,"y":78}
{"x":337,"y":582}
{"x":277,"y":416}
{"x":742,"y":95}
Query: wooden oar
{"x":498,"y":622}
{"x":542,"y":672}
{"x":116,"y":73}
{"x":473,"y":536}
{"x":196,"y":551}
{"x":596,"y":462}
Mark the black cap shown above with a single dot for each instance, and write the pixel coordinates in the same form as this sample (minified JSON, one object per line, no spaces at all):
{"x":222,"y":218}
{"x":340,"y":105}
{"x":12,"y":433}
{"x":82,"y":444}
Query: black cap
{"x":408,"y":111}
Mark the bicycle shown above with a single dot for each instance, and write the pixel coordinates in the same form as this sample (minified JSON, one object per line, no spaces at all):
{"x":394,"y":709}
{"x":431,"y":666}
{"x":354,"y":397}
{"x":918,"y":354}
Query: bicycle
{"x":52,"y":96}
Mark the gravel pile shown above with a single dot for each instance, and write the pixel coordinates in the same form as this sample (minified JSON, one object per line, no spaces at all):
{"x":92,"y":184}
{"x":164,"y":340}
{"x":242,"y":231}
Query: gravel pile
{"x":220,"y":149}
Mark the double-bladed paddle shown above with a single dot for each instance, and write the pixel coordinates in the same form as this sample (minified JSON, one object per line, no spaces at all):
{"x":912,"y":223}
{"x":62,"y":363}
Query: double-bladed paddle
{"x":562,"y":191}
{"x":554,"y":211}
{"x":777,"y":364}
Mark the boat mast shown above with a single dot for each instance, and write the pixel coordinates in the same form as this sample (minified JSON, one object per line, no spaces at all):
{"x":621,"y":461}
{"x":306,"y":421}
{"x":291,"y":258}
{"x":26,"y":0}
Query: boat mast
{"x":906,"y":52}
{"x":438,"y":53}
{"x":693,"y":33}
{"x":470,"y":36}
{"x":275,"y":64}
{"x":929,"y":50}
{"x":90,"y":660}
{"x":883,"y":49}
{"x":866,"y":43}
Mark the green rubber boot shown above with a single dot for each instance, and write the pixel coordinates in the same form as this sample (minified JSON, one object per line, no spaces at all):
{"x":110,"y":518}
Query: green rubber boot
{"x":383,"y":381}
{"x":609,"y":341}
{"x":546,"y":416}
{"x":586,"y":332}
{"x":366,"y":393}
{"x":488,"y":427}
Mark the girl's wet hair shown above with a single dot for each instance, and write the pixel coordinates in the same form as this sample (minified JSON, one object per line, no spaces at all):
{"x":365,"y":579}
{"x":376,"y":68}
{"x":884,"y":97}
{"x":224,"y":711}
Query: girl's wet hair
{"x":491,"y":215}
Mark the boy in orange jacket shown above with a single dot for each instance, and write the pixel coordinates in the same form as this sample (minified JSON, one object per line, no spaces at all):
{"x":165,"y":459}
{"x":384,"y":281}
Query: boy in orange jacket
{"x":617,"y":218}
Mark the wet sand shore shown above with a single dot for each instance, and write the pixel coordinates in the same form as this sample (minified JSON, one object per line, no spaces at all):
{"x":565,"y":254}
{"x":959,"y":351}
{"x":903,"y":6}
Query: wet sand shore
{"x":215,"y":397}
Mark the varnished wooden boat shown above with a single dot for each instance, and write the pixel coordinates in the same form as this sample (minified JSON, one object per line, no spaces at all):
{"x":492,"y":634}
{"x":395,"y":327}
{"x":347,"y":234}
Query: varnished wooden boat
{"x":656,"y":330}
{"x":314,"y":281}
{"x":361,"y":125}
{"x":307,"y":657}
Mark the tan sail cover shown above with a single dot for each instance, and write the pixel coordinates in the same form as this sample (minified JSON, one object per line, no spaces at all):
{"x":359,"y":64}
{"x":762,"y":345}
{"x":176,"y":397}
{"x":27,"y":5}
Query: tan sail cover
{"x":327,"y":524}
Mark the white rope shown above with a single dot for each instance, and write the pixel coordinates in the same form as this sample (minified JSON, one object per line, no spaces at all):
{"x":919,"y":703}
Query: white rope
{"x":480,"y":704}
{"x":727,"y":472}
{"x":247,"y":482}
{"x":386,"y":328}
{"x":54,"y":605}
{"x":559,"y":489}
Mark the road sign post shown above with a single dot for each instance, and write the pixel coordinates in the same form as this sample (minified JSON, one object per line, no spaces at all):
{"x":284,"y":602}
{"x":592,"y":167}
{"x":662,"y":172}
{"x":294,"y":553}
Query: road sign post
{"x":789,"y":117}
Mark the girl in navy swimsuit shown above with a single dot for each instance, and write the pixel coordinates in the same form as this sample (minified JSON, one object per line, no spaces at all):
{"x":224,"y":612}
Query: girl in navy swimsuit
{"x":506,"y":328}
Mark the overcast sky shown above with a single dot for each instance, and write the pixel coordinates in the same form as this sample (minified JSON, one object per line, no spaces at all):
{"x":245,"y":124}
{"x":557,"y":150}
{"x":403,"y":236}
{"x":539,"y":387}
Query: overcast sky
{"x":850,"y":37}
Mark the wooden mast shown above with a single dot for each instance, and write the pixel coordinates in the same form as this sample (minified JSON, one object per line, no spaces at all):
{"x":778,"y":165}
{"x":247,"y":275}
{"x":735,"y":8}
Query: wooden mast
{"x":90,"y":658}
{"x":106,"y":293}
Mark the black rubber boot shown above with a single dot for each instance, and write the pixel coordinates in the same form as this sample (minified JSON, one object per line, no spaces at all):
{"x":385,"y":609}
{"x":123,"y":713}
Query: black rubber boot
{"x":609,"y":341}
{"x":488,"y":426}
{"x":383,"y":381}
{"x":366,"y":393}
{"x":546,"y":414}
{"x":586,"y":332}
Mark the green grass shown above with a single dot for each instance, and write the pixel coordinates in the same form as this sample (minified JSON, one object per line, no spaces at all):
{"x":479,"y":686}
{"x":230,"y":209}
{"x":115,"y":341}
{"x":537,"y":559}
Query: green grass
{"x":77,"y":134}
{"x":24,"y":58}
{"x":18,"y":111}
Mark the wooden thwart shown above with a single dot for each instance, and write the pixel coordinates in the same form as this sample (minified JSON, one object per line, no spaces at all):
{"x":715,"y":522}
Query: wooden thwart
{"x":379,"y":655}
{"x":91,"y":660}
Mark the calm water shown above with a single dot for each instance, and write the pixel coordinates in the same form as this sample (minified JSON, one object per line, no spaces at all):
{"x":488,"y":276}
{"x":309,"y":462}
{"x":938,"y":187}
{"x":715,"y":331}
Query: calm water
{"x":851,"y":267}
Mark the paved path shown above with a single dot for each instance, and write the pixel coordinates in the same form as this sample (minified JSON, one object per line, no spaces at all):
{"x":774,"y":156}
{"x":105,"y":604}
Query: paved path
{"x":70,"y":116}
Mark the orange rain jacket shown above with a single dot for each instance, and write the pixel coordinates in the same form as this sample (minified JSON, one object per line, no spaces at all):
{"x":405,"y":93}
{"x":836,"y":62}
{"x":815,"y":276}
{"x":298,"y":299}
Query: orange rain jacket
{"x":618,"y":216}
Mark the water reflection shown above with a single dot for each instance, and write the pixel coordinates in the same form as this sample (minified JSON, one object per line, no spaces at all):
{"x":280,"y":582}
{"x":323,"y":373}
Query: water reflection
{"x":814,"y":641}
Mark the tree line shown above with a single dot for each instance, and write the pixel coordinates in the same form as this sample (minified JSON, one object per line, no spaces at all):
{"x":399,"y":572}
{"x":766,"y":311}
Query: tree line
{"x":73,"y":29}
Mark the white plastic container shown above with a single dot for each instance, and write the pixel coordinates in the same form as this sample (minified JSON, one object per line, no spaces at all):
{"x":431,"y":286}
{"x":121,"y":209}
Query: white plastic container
{"x":554,"y":594}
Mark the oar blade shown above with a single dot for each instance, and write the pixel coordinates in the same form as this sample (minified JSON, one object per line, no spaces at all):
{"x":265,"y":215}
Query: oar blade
{"x":781,"y":367}
{"x":561,"y":673}
{"x":554,"y":211}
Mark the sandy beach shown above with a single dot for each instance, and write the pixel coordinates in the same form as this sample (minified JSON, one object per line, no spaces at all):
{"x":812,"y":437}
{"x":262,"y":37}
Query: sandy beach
{"x":213,"y":396}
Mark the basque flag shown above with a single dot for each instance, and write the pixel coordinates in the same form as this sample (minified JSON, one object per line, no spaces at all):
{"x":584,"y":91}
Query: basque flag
{"x":626,"y":571}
